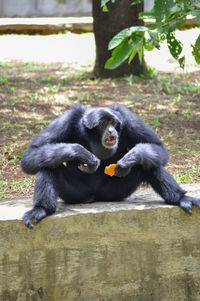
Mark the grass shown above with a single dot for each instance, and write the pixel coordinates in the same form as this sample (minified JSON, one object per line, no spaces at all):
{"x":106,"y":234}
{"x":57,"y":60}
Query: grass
{"x":3,"y":79}
{"x":32,"y":95}
{"x":7,"y":187}
{"x":186,"y":176}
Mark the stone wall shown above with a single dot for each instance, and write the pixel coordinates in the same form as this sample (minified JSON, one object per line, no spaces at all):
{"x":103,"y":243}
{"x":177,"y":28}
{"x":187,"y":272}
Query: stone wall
{"x":140,"y":249}
{"x":41,"y":8}
{"x":49,"y":8}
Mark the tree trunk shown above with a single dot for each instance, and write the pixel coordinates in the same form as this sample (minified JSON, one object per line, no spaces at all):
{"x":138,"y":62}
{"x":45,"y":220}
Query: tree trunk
{"x":106,"y":25}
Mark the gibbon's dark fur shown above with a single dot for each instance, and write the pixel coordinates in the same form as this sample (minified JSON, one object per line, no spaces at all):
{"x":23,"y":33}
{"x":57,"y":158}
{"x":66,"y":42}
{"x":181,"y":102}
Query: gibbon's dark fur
{"x":69,"y":157}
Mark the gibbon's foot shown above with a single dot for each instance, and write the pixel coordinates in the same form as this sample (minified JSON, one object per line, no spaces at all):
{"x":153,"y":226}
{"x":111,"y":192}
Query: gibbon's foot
{"x":37,"y":213}
{"x":187,"y":201}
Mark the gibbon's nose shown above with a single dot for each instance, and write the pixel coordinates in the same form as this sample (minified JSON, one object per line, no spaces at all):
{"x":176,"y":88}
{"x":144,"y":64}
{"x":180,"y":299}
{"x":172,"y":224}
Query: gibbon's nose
{"x":110,"y":130}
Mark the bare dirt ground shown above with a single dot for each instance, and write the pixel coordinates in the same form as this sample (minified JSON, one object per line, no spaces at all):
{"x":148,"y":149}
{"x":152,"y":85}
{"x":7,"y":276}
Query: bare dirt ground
{"x":41,"y":76}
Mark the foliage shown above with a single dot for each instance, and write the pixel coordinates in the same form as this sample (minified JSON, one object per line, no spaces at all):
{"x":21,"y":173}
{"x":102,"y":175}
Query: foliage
{"x":169,"y":15}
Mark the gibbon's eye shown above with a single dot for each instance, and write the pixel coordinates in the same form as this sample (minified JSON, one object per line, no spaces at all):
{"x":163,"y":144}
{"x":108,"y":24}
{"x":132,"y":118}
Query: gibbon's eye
{"x":102,"y":125}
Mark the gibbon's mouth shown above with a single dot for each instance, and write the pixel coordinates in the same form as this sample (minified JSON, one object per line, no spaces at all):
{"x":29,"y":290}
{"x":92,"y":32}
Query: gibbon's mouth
{"x":111,"y":139}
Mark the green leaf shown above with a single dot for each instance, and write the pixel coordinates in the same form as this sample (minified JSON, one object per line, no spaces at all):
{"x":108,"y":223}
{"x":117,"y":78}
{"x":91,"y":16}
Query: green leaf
{"x":189,"y":4}
{"x":163,"y":37}
{"x":152,"y":39}
{"x":182,"y":62}
{"x":146,"y":15}
{"x":154,"y":35}
{"x":127,"y":32}
{"x":196,"y":50}
{"x":175,"y":46}
{"x":149,"y":46}
{"x":137,"y":45}
{"x":196,"y":14}
{"x":104,"y":2}
{"x":140,"y":53}
{"x":174,"y":24}
{"x":120,"y":54}
{"x":162,"y":9}
{"x":105,"y":9}
{"x":136,"y":2}
{"x":132,"y":55}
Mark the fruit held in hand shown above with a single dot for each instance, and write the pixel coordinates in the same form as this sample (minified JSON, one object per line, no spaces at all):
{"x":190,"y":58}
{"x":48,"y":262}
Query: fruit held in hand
{"x":109,"y":170}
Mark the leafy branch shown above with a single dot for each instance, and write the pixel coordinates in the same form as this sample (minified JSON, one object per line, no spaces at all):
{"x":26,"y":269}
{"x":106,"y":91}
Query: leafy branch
{"x":169,"y":15}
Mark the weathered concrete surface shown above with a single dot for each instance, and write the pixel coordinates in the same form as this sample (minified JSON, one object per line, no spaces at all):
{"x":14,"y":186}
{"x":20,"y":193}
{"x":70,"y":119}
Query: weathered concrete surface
{"x":139,"y":250}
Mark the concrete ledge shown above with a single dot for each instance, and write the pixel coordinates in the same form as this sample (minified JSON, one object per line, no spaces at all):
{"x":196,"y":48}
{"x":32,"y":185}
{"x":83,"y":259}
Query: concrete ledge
{"x":46,"y":25}
{"x":139,"y":250}
{"x":54,"y":25}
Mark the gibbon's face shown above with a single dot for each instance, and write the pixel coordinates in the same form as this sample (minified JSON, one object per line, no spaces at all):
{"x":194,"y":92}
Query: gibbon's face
{"x":104,"y":140}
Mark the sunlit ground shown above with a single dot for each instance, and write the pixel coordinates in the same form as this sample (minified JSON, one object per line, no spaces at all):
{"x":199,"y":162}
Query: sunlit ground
{"x":80,"y":49}
{"x":51,"y":48}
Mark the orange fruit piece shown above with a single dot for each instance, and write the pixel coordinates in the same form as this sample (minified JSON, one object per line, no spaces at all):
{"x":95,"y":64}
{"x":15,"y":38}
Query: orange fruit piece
{"x":109,"y":170}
